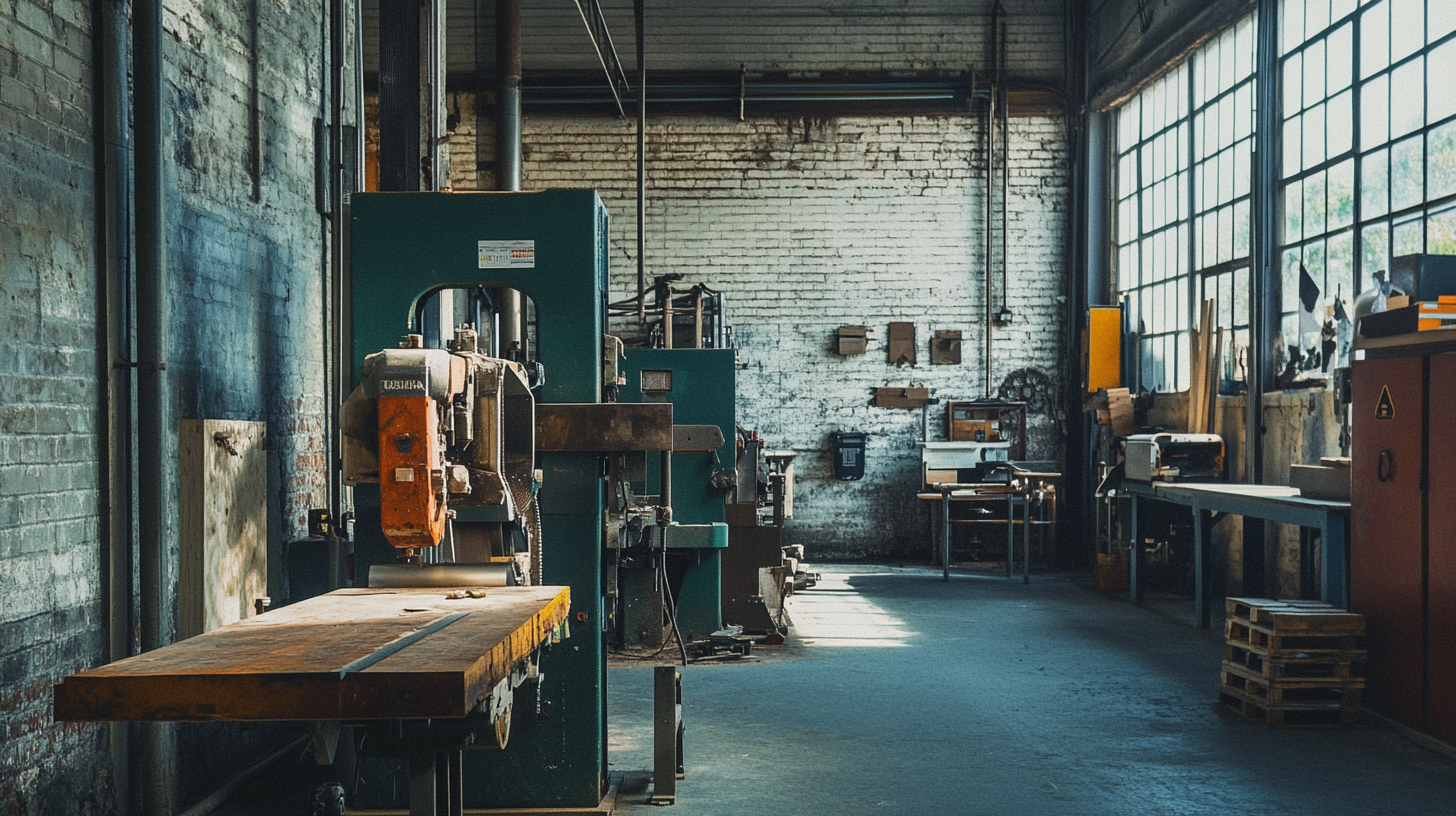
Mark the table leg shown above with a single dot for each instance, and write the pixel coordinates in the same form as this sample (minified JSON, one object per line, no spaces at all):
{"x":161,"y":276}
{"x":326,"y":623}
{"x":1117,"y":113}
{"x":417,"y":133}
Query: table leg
{"x":934,"y":534}
{"x":1203,"y":566}
{"x":1026,"y":539}
{"x":1135,"y":557}
{"x":1335,"y":560}
{"x":422,"y":783}
{"x":455,"y":804}
{"x":945,"y":536}
{"x":1254,"y":553}
{"x":1010,"y":534}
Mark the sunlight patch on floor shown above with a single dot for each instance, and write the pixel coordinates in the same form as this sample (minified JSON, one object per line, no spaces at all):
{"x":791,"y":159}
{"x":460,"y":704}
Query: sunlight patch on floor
{"x":834,"y":614}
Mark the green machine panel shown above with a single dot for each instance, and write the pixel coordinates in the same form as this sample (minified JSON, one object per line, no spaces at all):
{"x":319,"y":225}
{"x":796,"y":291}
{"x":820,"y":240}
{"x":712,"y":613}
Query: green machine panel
{"x":405,"y":245}
{"x":703,"y":393}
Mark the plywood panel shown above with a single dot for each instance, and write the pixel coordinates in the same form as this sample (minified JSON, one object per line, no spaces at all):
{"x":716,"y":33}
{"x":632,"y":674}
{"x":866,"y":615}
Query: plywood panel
{"x":223,"y":489}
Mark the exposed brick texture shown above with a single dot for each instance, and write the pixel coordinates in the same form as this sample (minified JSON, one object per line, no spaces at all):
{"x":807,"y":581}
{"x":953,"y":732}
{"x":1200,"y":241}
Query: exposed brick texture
{"x":810,"y":224}
{"x":245,"y":304}
{"x":52,"y":620}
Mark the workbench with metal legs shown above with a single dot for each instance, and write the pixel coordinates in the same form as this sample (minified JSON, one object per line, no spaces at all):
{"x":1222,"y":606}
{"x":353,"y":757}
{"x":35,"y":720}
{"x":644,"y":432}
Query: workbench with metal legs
{"x":953,"y":492}
{"x":1266,"y":502}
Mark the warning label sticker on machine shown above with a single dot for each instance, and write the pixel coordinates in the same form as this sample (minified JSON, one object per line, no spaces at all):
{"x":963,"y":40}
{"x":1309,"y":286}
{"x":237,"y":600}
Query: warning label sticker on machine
{"x":1385,"y":409}
{"x":507,"y":254}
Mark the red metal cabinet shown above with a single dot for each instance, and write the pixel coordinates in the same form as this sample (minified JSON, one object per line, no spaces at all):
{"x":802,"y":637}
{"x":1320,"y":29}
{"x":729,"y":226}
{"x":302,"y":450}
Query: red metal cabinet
{"x":1441,"y":549}
{"x":1387,"y":516}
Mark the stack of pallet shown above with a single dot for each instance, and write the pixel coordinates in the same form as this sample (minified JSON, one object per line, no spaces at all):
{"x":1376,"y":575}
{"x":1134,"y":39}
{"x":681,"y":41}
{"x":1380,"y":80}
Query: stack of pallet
{"x":1292,"y":663}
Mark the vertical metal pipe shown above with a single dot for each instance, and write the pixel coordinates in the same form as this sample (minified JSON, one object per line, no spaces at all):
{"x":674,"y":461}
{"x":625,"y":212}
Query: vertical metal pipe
{"x":437,"y":141}
{"x":334,"y":384}
{"x":508,"y":158}
{"x":151,"y":306}
{"x":1263,"y":309}
{"x":114,"y":306}
{"x":988,"y":316}
{"x":1005,"y":173}
{"x":1087,"y":250}
{"x":359,"y":152}
{"x":153,"y":410}
{"x":508,"y":126}
{"x":639,"y":12}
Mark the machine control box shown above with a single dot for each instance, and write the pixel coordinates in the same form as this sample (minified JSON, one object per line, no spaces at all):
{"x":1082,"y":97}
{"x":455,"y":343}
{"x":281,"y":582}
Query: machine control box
{"x":1168,"y":457}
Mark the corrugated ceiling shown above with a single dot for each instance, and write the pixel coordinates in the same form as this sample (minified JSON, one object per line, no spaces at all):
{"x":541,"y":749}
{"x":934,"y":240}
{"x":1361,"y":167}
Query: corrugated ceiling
{"x":848,"y":36}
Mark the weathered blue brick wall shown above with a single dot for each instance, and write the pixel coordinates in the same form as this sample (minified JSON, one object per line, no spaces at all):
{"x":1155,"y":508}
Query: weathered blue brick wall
{"x":52,"y":621}
{"x":245,"y":255}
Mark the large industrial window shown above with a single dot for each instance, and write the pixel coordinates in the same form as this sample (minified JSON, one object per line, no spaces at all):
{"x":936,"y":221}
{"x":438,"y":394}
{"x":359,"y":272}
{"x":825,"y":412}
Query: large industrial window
{"x":1153,"y":226}
{"x":1223,"y":150}
{"x":1178,"y":226}
{"x":1369,"y":158}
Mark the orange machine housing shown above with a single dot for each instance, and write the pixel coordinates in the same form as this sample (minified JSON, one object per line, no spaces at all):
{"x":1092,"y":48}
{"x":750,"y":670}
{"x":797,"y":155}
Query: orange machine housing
{"x":412,"y":464}
{"x":411,"y":471}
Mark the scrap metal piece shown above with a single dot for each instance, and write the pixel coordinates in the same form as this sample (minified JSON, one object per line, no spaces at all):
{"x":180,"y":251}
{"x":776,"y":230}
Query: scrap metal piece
{"x":696,"y":438}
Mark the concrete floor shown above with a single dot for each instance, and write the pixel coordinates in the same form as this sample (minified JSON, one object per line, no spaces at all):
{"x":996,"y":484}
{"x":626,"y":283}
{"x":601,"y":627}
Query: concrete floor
{"x":900,"y":694}
{"x":983,"y":696}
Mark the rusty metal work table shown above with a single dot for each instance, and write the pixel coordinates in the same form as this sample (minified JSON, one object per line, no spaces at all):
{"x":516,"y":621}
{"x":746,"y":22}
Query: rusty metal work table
{"x":1268,"y":502}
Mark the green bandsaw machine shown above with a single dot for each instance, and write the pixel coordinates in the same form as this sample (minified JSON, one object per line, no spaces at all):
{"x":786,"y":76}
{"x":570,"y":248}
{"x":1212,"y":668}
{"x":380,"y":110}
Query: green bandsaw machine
{"x":551,"y":246}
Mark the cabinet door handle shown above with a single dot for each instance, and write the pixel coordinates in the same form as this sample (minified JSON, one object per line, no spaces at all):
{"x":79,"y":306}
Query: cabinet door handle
{"x":1385,"y":469}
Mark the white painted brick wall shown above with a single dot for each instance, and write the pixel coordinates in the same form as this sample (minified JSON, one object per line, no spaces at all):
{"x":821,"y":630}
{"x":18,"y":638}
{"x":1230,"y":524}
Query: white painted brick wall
{"x":810,"y":224}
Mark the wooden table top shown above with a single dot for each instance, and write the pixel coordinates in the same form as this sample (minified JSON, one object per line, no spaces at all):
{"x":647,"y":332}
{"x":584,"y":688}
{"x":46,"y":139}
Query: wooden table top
{"x":352,"y":654}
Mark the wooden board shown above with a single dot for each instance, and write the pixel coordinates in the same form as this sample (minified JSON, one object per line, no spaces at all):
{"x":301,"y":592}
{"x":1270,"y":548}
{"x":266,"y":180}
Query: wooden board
{"x":912,"y":397}
{"x":901,"y":344}
{"x":286,"y":663}
{"x":613,"y":426}
{"x":222,"y":493}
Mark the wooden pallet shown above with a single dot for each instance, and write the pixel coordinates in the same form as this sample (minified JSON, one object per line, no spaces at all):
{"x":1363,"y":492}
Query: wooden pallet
{"x":1334,"y":667}
{"x":1281,"y":691}
{"x":1289,"y":715}
{"x":1291,"y":617}
{"x":1292,"y":664}
{"x":1265,"y":641}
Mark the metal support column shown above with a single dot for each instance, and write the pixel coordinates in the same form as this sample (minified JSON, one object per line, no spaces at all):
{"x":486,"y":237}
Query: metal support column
{"x":667,"y":734}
